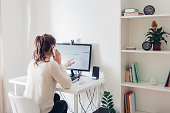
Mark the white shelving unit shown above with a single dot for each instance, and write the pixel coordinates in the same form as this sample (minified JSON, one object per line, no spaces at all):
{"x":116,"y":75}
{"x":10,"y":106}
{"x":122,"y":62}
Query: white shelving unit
{"x":141,"y":112}
{"x":147,"y":16}
{"x":146,"y":52}
{"x":145,"y":85}
{"x":151,"y":64}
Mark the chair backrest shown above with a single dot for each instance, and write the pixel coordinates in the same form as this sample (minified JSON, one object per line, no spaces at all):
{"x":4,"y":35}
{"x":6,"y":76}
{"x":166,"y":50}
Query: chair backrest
{"x":23,"y":104}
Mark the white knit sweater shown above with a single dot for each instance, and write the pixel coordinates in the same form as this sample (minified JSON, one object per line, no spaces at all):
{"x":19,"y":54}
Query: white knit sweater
{"x":41,"y":83}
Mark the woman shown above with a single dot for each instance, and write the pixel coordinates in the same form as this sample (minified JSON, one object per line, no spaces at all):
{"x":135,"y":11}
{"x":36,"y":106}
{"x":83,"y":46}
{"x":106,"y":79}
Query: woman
{"x":43,"y":74}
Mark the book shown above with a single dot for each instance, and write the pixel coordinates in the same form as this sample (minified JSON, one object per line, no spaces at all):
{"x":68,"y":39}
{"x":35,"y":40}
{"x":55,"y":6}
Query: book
{"x":133,"y":74}
{"x":136,"y":72}
{"x":127,"y":76}
{"x":127,"y":107}
{"x":135,"y":99}
{"x":167,"y":80}
{"x":129,"y":102}
{"x":130,"y":48}
{"x":125,"y":104}
{"x":130,"y":10}
{"x":133,"y":14}
{"x":132,"y":103}
{"x":130,"y":71}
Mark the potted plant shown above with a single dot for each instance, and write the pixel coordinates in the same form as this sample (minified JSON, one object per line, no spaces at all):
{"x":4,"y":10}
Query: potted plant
{"x":107,"y":102}
{"x":156,"y":35}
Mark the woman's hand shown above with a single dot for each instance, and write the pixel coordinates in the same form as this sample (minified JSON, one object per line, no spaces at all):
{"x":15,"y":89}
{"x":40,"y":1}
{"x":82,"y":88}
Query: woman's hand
{"x":58,"y":57}
{"x":69,"y":63}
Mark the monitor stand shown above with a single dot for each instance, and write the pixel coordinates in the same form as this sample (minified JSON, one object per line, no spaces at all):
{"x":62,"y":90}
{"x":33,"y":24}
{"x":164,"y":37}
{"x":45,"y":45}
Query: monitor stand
{"x":74,"y":76}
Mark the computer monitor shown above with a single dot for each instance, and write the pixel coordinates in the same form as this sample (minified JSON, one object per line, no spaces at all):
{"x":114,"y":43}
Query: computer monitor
{"x":81,"y":54}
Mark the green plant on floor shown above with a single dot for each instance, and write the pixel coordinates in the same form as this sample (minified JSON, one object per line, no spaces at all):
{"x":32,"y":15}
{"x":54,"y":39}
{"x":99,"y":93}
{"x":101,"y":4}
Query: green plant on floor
{"x":107,"y":102}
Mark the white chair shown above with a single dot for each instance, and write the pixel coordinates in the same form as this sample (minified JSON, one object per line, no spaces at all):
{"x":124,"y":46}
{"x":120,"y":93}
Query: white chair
{"x":22,"y":104}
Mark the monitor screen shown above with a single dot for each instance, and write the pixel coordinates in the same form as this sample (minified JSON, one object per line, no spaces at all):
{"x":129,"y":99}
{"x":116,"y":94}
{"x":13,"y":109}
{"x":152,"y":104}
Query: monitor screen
{"x":81,"y":54}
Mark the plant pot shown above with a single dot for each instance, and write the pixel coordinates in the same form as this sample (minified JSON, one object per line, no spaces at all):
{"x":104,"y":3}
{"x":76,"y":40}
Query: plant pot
{"x":157,"y":47}
{"x":101,"y":110}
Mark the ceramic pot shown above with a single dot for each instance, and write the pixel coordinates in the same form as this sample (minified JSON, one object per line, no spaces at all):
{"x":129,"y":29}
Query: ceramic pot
{"x":157,"y":47}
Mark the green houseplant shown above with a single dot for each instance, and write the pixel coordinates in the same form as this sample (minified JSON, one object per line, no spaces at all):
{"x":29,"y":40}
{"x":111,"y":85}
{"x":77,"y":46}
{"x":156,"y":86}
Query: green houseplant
{"x":107,"y":102}
{"x":156,"y":35}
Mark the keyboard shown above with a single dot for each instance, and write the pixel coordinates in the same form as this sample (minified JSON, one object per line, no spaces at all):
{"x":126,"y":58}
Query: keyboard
{"x":74,"y":79}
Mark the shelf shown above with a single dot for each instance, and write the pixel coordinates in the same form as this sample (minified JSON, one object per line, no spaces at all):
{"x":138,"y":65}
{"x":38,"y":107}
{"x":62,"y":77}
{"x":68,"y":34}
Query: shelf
{"x":145,"y":85}
{"x":142,"y":112}
{"x":146,"y":52}
{"x":146,"y":16}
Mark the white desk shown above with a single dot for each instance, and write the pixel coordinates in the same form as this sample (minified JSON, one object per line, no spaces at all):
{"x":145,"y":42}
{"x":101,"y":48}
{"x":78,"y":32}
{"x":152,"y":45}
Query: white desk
{"x":75,"y":89}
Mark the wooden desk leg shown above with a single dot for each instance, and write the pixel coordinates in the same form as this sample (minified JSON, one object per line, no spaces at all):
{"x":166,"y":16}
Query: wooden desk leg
{"x":75,"y":103}
{"x":100,"y":91}
{"x":99,"y":98}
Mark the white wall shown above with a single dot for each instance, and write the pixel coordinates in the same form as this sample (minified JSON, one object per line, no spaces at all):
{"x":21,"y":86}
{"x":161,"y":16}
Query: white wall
{"x":93,"y":21}
{"x":13,"y":38}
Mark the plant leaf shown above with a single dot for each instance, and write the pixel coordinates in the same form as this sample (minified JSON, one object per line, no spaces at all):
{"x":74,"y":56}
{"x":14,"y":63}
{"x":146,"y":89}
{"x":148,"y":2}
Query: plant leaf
{"x":148,"y":38}
{"x":168,"y":33}
{"x":110,"y":97}
{"x":104,"y":102}
{"x":112,"y":110}
{"x":110,"y":107}
{"x":104,"y":99}
{"x":152,"y":29}
{"x":148,"y":35}
{"x":106,"y":94}
{"x":159,"y":30}
{"x":111,"y":103}
{"x":109,"y":100}
{"x":164,"y":40}
{"x":104,"y":106}
{"x":162,"y":33}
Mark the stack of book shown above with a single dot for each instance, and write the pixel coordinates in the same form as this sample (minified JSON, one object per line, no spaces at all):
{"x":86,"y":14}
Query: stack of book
{"x":130,"y":48}
{"x":130,"y":102}
{"x":131,"y":12}
{"x":131,"y":74}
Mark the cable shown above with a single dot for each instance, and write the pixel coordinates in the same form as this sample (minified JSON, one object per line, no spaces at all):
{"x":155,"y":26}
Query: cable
{"x":76,"y":72}
{"x":63,"y":97}
{"x":91,"y":100}
{"x":88,"y":98}
{"x":92,"y":97}
{"x":81,"y":104}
